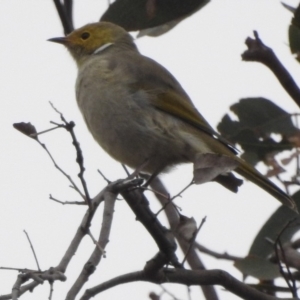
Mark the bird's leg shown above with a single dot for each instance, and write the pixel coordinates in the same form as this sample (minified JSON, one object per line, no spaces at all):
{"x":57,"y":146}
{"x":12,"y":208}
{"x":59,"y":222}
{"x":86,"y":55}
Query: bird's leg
{"x":138,"y":170}
{"x":149,"y":178}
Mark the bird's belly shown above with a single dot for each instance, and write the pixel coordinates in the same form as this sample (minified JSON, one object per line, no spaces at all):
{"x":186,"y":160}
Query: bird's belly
{"x":132,"y":131}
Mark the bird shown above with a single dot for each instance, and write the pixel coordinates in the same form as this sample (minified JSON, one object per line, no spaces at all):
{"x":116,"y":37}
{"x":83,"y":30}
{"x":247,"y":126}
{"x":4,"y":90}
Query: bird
{"x":140,"y":114}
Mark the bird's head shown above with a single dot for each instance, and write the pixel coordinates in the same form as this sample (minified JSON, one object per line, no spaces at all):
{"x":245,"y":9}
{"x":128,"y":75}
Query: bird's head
{"x":95,"y":38}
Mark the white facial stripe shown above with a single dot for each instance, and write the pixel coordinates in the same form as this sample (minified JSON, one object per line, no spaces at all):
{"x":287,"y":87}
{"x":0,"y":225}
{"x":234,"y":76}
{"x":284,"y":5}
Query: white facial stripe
{"x":102,"y":48}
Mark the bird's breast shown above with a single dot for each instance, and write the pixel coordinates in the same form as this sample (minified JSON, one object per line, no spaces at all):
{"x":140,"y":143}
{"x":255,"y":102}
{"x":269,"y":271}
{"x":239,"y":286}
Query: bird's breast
{"x":126,"y":125}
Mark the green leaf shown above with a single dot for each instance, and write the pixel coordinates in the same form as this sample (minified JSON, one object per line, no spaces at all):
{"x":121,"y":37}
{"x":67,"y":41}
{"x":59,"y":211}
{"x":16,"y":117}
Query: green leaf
{"x":258,"y":267}
{"x":258,"y":118}
{"x":256,"y":264}
{"x":27,"y":129}
{"x":296,"y":18}
{"x":280,"y":218}
{"x":294,"y":39}
{"x":294,"y":31}
{"x":289,"y":7}
{"x":136,"y":15}
{"x":263,"y":116}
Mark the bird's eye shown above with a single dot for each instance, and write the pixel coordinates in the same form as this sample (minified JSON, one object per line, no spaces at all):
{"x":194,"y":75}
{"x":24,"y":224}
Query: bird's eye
{"x":85,"y":36}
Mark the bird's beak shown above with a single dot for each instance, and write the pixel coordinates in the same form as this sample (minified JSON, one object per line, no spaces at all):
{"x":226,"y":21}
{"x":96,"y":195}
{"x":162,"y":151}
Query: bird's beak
{"x":59,"y":40}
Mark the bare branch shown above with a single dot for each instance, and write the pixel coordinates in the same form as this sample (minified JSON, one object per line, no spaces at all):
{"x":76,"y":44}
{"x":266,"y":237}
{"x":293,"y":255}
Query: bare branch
{"x":108,"y":195}
{"x":192,"y":242}
{"x":104,"y":177}
{"x":185,"y":277}
{"x":18,"y":269}
{"x":113,"y":188}
{"x":23,"y":289}
{"x":69,"y":126}
{"x":259,"y":52}
{"x":67,"y":202}
{"x":31,"y":246}
{"x":83,"y":228}
{"x":163,"y":238}
{"x":217,"y":255}
{"x":125,"y":169}
{"x":51,"y":291}
{"x":95,"y":241}
{"x":173,"y":217}
{"x":16,"y":287}
{"x":39,"y":277}
{"x":45,"y":131}
{"x":95,"y":258}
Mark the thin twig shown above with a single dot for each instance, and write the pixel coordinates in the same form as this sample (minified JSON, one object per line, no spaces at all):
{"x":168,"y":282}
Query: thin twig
{"x":51,"y":290}
{"x":62,"y":171}
{"x":45,"y":131}
{"x":189,"y":292}
{"x":168,"y":293}
{"x":193,"y":241}
{"x":182,"y":191}
{"x":102,"y":250}
{"x":170,"y":200}
{"x":18,"y":269}
{"x":69,"y":126}
{"x":67,"y":202}
{"x":215,"y":254}
{"x":32,"y":249}
{"x":104,"y":177}
{"x":125,"y":169}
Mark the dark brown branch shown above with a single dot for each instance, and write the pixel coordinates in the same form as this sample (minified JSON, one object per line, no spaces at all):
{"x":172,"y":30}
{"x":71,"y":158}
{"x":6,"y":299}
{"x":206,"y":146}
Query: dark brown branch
{"x":173,"y":217}
{"x":131,"y":277}
{"x":259,"y":52}
{"x":155,"y":264}
{"x":163,"y":238}
{"x":185,"y":277}
{"x":215,"y":254}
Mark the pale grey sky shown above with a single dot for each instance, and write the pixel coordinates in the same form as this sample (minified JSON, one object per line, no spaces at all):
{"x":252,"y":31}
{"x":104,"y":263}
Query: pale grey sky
{"x":203,"y":52}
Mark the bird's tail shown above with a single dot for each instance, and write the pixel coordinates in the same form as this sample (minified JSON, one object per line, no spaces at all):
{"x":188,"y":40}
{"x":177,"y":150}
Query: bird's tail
{"x":253,"y":175}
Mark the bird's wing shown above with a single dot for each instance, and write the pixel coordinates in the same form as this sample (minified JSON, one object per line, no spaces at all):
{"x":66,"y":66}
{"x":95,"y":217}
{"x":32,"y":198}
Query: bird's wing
{"x":172,"y":104}
{"x":168,"y":96}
